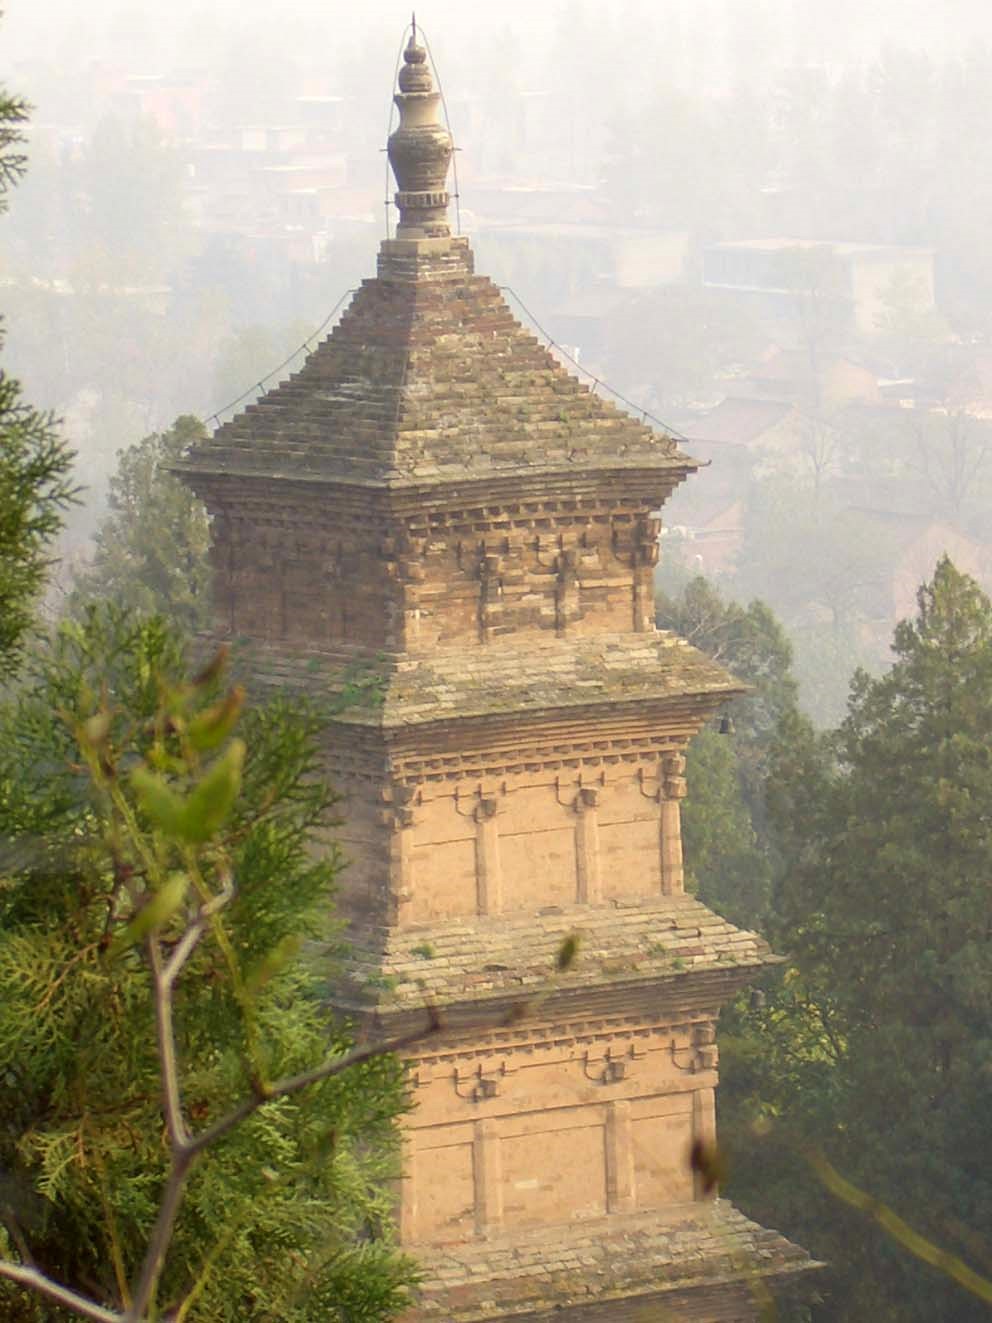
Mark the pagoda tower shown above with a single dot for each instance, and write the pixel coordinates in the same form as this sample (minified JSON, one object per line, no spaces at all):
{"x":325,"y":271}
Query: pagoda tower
{"x":433,"y":511}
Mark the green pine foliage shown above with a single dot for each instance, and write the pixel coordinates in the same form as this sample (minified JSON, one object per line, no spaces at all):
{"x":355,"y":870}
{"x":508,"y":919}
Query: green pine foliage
{"x":152,"y":547}
{"x":877,"y":1049}
{"x":730,"y":858}
{"x":125,"y":799}
{"x":34,"y":492}
{"x":13,"y":116}
{"x":34,"y":462}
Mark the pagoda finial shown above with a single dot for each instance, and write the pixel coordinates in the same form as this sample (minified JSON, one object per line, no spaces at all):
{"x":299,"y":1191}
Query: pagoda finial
{"x":420,"y":149}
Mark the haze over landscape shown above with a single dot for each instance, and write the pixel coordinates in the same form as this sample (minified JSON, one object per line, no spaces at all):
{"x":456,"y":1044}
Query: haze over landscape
{"x":207,"y":182}
{"x":760,"y":227}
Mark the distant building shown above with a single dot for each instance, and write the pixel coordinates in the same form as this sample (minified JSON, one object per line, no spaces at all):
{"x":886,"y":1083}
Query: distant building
{"x":622,"y":258}
{"x":907,"y":547}
{"x":744,"y":438}
{"x":828,"y":380}
{"x":849,"y":280}
{"x":176,"y":105}
{"x":710,"y":543}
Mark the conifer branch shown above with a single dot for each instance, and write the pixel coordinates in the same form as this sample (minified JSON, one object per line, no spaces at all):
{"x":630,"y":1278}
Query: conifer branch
{"x":186,"y":1150}
{"x":285,"y":1088}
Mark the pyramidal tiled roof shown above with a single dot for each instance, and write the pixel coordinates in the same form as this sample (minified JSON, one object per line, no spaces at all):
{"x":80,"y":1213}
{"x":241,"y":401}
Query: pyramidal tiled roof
{"x":633,"y":1266}
{"x":645,"y":941}
{"x":538,"y":675}
{"x":429,"y":377}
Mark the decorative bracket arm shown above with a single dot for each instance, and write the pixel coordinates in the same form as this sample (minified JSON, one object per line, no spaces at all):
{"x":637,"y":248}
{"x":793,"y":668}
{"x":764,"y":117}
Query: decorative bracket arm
{"x":610,"y":1069}
{"x":480,"y":1087}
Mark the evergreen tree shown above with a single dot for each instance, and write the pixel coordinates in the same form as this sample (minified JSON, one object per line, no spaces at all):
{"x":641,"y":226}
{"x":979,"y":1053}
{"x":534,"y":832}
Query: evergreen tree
{"x":125,"y":846}
{"x":729,"y":855}
{"x":152,"y":547}
{"x":34,"y":462}
{"x":878,"y":1049}
{"x":34,"y":491}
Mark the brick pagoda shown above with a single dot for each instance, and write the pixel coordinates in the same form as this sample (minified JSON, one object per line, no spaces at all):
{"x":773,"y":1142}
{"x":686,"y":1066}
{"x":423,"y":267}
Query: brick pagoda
{"x":434,"y":501}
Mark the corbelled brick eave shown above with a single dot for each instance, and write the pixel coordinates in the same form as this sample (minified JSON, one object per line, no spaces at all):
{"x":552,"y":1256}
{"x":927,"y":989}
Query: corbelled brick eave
{"x":509,"y":681}
{"x":672,"y":995}
{"x":700,"y":1257}
{"x":662,"y":951}
{"x":470,"y":482}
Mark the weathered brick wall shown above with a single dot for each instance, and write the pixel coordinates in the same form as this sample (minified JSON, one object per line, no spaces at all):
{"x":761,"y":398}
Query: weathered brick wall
{"x":336,"y":572}
{"x":558,"y":1122}
{"x":531,"y":839}
{"x":514,"y":827}
{"x":565,"y":566}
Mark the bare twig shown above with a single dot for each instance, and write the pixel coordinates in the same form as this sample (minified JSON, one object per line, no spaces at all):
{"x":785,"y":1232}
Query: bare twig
{"x":183,"y":1153}
{"x":34,"y":1280}
{"x":167,"y":1046}
{"x":186,"y":1151}
{"x":17,"y":1235}
{"x":285,"y":1088}
{"x":901,"y":1232}
{"x":161,"y":1237}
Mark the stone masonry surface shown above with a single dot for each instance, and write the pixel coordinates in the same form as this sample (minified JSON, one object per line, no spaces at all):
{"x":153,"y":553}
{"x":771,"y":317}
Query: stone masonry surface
{"x":434,"y":517}
{"x":616,"y":1258}
{"x":543,"y":676}
{"x":663,"y":938}
{"x":430,"y":377}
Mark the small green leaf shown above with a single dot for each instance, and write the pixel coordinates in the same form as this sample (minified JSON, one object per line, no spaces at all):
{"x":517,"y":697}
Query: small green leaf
{"x":160,"y":802}
{"x":96,"y":729}
{"x":155,"y":913}
{"x":214,"y":668}
{"x":163,"y":761}
{"x":212,"y":798}
{"x":211,"y":727}
{"x":273,"y":962}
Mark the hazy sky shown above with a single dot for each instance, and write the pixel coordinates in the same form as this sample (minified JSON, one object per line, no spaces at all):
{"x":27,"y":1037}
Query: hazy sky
{"x":151,"y":37}
{"x":710,"y":119}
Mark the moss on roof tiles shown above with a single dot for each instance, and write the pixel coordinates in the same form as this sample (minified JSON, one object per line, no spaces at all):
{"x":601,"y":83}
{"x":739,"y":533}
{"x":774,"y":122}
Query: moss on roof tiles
{"x":646,"y":940}
{"x":522,"y":674}
{"x":430,"y":381}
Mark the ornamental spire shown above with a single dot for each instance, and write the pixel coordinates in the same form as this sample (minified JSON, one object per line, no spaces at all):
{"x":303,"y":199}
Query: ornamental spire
{"x":420,"y":150}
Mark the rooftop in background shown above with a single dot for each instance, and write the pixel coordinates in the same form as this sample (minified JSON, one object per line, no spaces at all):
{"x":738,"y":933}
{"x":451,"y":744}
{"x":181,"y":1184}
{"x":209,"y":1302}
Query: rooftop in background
{"x":840,"y":247}
{"x":852,"y":282}
{"x":736,"y":421}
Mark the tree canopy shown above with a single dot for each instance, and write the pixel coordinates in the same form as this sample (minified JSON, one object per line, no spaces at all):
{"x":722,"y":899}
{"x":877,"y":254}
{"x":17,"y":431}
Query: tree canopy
{"x":152,"y":546}
{"x":729,"y":853}
{"x":877,"y":1049}
{"x":122,"y":832}
{"x":34,"y":461}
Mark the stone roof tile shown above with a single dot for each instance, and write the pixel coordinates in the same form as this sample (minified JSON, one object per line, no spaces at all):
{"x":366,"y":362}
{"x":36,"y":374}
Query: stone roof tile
{"x":430,"y":378}
{"x":646,"y":941}
{"x":513,"y":675}
{"x":624,"y":1256}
